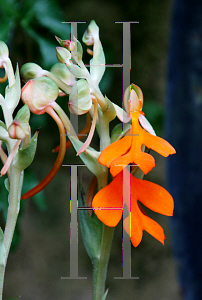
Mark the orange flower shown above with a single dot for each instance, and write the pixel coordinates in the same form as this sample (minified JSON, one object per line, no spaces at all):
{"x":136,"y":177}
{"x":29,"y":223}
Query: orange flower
{"x":108,"y":206}
{"x":129,"y":149}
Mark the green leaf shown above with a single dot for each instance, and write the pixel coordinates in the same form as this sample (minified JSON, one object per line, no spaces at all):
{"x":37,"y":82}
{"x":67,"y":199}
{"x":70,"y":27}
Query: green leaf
{"x":91,"y":227}
{"x":24,"y":157}
{"x":12,"y":97}
{"x":23,"y":114}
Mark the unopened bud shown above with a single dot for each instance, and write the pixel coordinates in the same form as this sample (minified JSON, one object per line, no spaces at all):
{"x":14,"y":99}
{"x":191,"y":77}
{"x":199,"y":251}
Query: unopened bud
{"x":39,"y":93}
{"x":63,"y":55}
{"x":91,"y":34}
{"x":18,"y":131}
{"x":20,"y":128}
{"x":31,"y":71}
{"x":69,"y":45}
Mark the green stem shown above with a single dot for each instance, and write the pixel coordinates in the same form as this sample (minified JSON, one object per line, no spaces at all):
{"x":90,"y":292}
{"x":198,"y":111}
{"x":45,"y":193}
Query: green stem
{"x":100,"y":264}
{"x":13,"y":210}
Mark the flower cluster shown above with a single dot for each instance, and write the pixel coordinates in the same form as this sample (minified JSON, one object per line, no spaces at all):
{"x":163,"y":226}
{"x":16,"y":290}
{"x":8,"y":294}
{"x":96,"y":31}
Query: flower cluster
{"x":70,"y":76}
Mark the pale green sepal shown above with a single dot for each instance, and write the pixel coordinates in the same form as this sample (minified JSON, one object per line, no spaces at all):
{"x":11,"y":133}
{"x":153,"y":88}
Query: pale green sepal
{"x":3,"y":132}
{"x":97,"y":63}
{"x":7,"y":184}
{"x":110,"y":112}
{"x":77,"y":71}
{"x":91,"y":227}
{"x":105,"y":294}
{"x":24,"y":157}
{"x":90,"y":161}
{"x":80,"y":100}
{"x":119,"y":131}
{"x":12,"y":97}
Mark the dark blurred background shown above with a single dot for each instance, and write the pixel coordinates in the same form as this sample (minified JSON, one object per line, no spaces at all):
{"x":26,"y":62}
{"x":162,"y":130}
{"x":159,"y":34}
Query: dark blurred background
{"x":41,"y":256}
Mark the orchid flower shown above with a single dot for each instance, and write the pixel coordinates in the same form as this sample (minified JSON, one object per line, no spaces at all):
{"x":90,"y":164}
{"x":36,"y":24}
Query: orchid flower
{"x":129,"y":149}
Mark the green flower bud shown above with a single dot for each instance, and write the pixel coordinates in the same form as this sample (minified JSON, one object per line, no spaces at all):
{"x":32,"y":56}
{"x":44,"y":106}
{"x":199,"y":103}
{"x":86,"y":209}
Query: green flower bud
{"x":31,"y":71}
{"x":91,"y":34}
{"x":63,"y":55}
{"x":39,"y":93}
{"x":80,"y":100}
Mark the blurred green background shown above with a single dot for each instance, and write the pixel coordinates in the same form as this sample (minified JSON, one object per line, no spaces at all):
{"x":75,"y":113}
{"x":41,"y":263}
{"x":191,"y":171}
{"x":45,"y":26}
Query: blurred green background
{"x":40,"y":256}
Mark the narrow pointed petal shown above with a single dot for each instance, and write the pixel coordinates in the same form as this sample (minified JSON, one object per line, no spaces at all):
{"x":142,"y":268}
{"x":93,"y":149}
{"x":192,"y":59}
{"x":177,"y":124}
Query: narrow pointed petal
{"x":153,"y":228}
{"x":90,"y":136}
{"x":114,"y":151}
{"x":121,"y":114}
{"x":146,"y":125}
{"x":134,"y":226}
{"x":157,"y":144}
{"x":108,"y":203}
{"x":5,"y":168}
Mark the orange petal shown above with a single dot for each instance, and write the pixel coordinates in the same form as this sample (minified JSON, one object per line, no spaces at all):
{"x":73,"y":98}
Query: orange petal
{"x":108,"y":202}
{"x":144,"y":161}
{"x":134,"y":226}
{"x":118,"y":164}
{"x":152,"y":196}
{"x":152,"y":228}
{"x":157,"y":144}
{"x":114,"y":151}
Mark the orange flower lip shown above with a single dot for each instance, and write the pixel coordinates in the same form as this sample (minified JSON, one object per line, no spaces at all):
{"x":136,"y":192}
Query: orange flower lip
{"x":128,"y":150}
{"x":108,"y":206}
